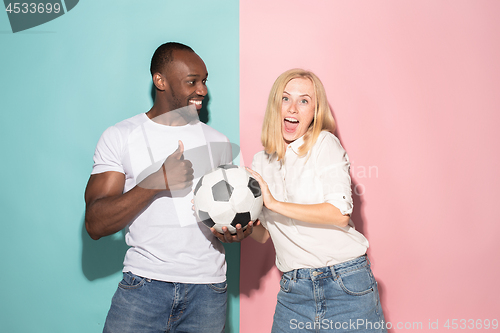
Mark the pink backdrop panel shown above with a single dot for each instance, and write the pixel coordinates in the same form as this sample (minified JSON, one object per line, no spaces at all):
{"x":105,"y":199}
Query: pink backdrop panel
{"x":415,"y":89}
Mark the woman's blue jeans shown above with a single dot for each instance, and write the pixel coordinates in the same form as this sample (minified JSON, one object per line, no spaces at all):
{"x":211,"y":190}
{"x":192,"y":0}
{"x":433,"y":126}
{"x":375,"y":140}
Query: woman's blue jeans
{"x":145,"y":305}
{"x":339,"y":298}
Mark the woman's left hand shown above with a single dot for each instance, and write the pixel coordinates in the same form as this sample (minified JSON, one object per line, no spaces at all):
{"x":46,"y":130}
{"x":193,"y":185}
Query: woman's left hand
{"x":269,"y":200}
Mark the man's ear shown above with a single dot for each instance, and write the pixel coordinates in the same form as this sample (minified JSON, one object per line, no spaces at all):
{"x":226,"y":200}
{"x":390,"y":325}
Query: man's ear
{"x":160,"y":81}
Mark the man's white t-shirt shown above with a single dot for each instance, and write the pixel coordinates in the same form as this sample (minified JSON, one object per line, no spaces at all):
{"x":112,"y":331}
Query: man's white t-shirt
{"x":167,"y":242}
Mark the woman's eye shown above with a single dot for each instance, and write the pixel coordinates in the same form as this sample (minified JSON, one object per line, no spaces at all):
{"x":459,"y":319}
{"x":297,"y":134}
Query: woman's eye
{"x":304,"y":101}
{"x":285,"y":99}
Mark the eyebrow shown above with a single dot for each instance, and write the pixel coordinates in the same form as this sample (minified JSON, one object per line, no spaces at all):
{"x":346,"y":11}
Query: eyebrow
{"x":197,"y":75}
{"x":299,"y":95}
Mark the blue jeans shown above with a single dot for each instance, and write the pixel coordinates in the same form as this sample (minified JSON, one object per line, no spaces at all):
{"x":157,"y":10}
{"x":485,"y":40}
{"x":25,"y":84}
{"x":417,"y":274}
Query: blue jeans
{"x":144,"y":305}
{"x":339,"y":298}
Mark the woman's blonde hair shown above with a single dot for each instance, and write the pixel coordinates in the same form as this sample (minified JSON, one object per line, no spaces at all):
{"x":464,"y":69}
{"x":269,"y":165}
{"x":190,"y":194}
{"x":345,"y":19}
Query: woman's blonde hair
{"x":272,"y":137}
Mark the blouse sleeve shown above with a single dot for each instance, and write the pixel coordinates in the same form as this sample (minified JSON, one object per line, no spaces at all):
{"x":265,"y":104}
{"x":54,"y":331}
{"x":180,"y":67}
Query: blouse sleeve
{"x":333,"y":166}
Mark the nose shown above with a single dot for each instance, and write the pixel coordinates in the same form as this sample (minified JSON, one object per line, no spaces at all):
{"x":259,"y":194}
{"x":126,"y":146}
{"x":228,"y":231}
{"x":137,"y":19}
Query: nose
{"x":201,"y":89}
{"x":292,"y":108}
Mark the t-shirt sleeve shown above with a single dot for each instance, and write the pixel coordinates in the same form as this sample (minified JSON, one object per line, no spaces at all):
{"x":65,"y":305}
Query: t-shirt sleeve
{"x":333,"y":168}
{"x":107,"y":156}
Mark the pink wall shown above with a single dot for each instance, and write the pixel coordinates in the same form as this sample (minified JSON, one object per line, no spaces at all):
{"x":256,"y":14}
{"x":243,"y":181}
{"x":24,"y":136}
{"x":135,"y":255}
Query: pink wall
{"x":415,"y":90}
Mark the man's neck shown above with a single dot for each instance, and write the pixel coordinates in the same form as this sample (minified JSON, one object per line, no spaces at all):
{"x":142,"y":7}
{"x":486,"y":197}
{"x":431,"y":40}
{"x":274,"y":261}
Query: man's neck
{"x":177,"y":117}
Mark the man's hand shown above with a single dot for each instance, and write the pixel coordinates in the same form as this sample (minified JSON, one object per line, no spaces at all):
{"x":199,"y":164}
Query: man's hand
{"x":175,"y":173}
{"x":178,"y":172}
{"x":227,"y":237}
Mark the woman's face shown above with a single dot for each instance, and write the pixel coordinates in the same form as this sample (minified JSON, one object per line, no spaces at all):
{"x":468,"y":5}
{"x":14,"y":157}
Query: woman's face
{"x":297,"y":109}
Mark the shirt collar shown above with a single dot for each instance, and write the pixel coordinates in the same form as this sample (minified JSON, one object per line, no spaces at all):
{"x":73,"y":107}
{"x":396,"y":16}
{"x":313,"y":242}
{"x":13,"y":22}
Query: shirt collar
{"x":296,"y":144}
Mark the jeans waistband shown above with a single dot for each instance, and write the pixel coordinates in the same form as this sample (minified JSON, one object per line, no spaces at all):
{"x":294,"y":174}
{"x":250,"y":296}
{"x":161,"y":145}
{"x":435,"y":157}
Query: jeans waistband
{"x":327,"y":271}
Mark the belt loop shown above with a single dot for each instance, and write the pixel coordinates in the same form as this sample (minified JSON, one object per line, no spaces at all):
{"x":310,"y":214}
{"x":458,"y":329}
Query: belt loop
{"x":368,"y":259}
{"x":332,"y":268}
{"x":294,"y":276}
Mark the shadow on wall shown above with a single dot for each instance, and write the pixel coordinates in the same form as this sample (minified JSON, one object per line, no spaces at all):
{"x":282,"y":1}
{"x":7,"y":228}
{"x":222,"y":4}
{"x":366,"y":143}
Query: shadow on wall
{"x":257,"y":260}
{"x":357,"y":215}
{"x":383,"y":298}
{"x":359,"y":218}
{"x":103,"y":257}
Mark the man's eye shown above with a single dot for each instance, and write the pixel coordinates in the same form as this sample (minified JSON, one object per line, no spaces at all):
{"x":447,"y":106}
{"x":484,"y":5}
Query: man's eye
{"x":204,"y":81}
{"x":191,"y":82}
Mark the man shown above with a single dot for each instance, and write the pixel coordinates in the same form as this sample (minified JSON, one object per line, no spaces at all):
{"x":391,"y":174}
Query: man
{"x":174,"y":271}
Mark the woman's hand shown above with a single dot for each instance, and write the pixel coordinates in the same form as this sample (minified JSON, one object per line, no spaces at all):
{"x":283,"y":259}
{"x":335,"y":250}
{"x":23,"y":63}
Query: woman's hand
{"x":269,"y":200}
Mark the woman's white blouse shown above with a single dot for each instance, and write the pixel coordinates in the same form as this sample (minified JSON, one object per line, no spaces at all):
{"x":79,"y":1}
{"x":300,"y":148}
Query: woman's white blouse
{"x":320,"y":176}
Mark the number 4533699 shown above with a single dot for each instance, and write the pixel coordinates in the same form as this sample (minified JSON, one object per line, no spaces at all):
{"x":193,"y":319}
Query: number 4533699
{"x":471,"y":324}
{"x":32,"y":8}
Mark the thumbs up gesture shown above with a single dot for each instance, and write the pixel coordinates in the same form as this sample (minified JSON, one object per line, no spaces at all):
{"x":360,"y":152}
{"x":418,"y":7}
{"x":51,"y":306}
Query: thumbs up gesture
{"x":177,"y":172}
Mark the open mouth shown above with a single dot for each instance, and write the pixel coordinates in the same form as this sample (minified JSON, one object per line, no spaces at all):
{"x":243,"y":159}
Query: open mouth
{"x":196,"y":102}
{"x":290,"y":124}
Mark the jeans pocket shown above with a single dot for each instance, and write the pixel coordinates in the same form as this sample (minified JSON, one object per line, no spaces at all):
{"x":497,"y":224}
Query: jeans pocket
{"x":358,"y":282}
{"x":285,"y":284}
{"x":131,"y":281}
{"x":219,"y":287}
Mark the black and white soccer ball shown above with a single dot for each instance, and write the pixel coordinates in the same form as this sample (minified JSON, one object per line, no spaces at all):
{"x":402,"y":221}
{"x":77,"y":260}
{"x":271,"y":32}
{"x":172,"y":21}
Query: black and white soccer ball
{"x":227,"y":196}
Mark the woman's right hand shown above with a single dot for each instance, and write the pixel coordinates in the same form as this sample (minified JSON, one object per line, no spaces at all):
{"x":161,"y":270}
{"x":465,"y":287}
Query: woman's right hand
{"x":269,"y":200}
{"x":320,"y":213}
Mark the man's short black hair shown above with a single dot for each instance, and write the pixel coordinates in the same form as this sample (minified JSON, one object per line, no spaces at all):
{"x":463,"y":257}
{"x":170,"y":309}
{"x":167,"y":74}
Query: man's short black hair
{"x":163,"y":55}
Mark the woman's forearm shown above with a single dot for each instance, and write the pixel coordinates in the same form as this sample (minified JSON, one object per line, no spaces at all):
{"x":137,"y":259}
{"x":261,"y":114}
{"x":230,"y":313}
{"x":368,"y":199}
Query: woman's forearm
{"x":322,"y":213}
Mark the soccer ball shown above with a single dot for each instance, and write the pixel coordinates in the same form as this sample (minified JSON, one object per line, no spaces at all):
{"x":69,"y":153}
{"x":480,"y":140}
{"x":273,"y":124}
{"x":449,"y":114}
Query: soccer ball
{"x":227,"y":196}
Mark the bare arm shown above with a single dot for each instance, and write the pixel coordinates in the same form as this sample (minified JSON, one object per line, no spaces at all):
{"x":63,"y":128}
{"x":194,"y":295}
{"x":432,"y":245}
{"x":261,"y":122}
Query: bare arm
{"x":260,"y":234}
{"x":322,"y":213}
{"x":109,"y":210}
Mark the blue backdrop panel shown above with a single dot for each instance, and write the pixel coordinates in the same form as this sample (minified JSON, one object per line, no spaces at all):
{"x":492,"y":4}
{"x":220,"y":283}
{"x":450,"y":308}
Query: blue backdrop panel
{"x":61,"y":84}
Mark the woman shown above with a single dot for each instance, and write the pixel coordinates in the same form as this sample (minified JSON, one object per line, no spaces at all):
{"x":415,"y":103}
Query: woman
{"x":327,"y":283}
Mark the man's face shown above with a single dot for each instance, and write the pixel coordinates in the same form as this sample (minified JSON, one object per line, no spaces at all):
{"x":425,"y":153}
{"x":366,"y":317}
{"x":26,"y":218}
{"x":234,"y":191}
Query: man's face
{"x":186,"y":76}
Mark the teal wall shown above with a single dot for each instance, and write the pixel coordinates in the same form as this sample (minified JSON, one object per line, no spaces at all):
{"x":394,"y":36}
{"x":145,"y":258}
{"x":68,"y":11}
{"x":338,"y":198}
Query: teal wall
{"x":61,"y":84}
